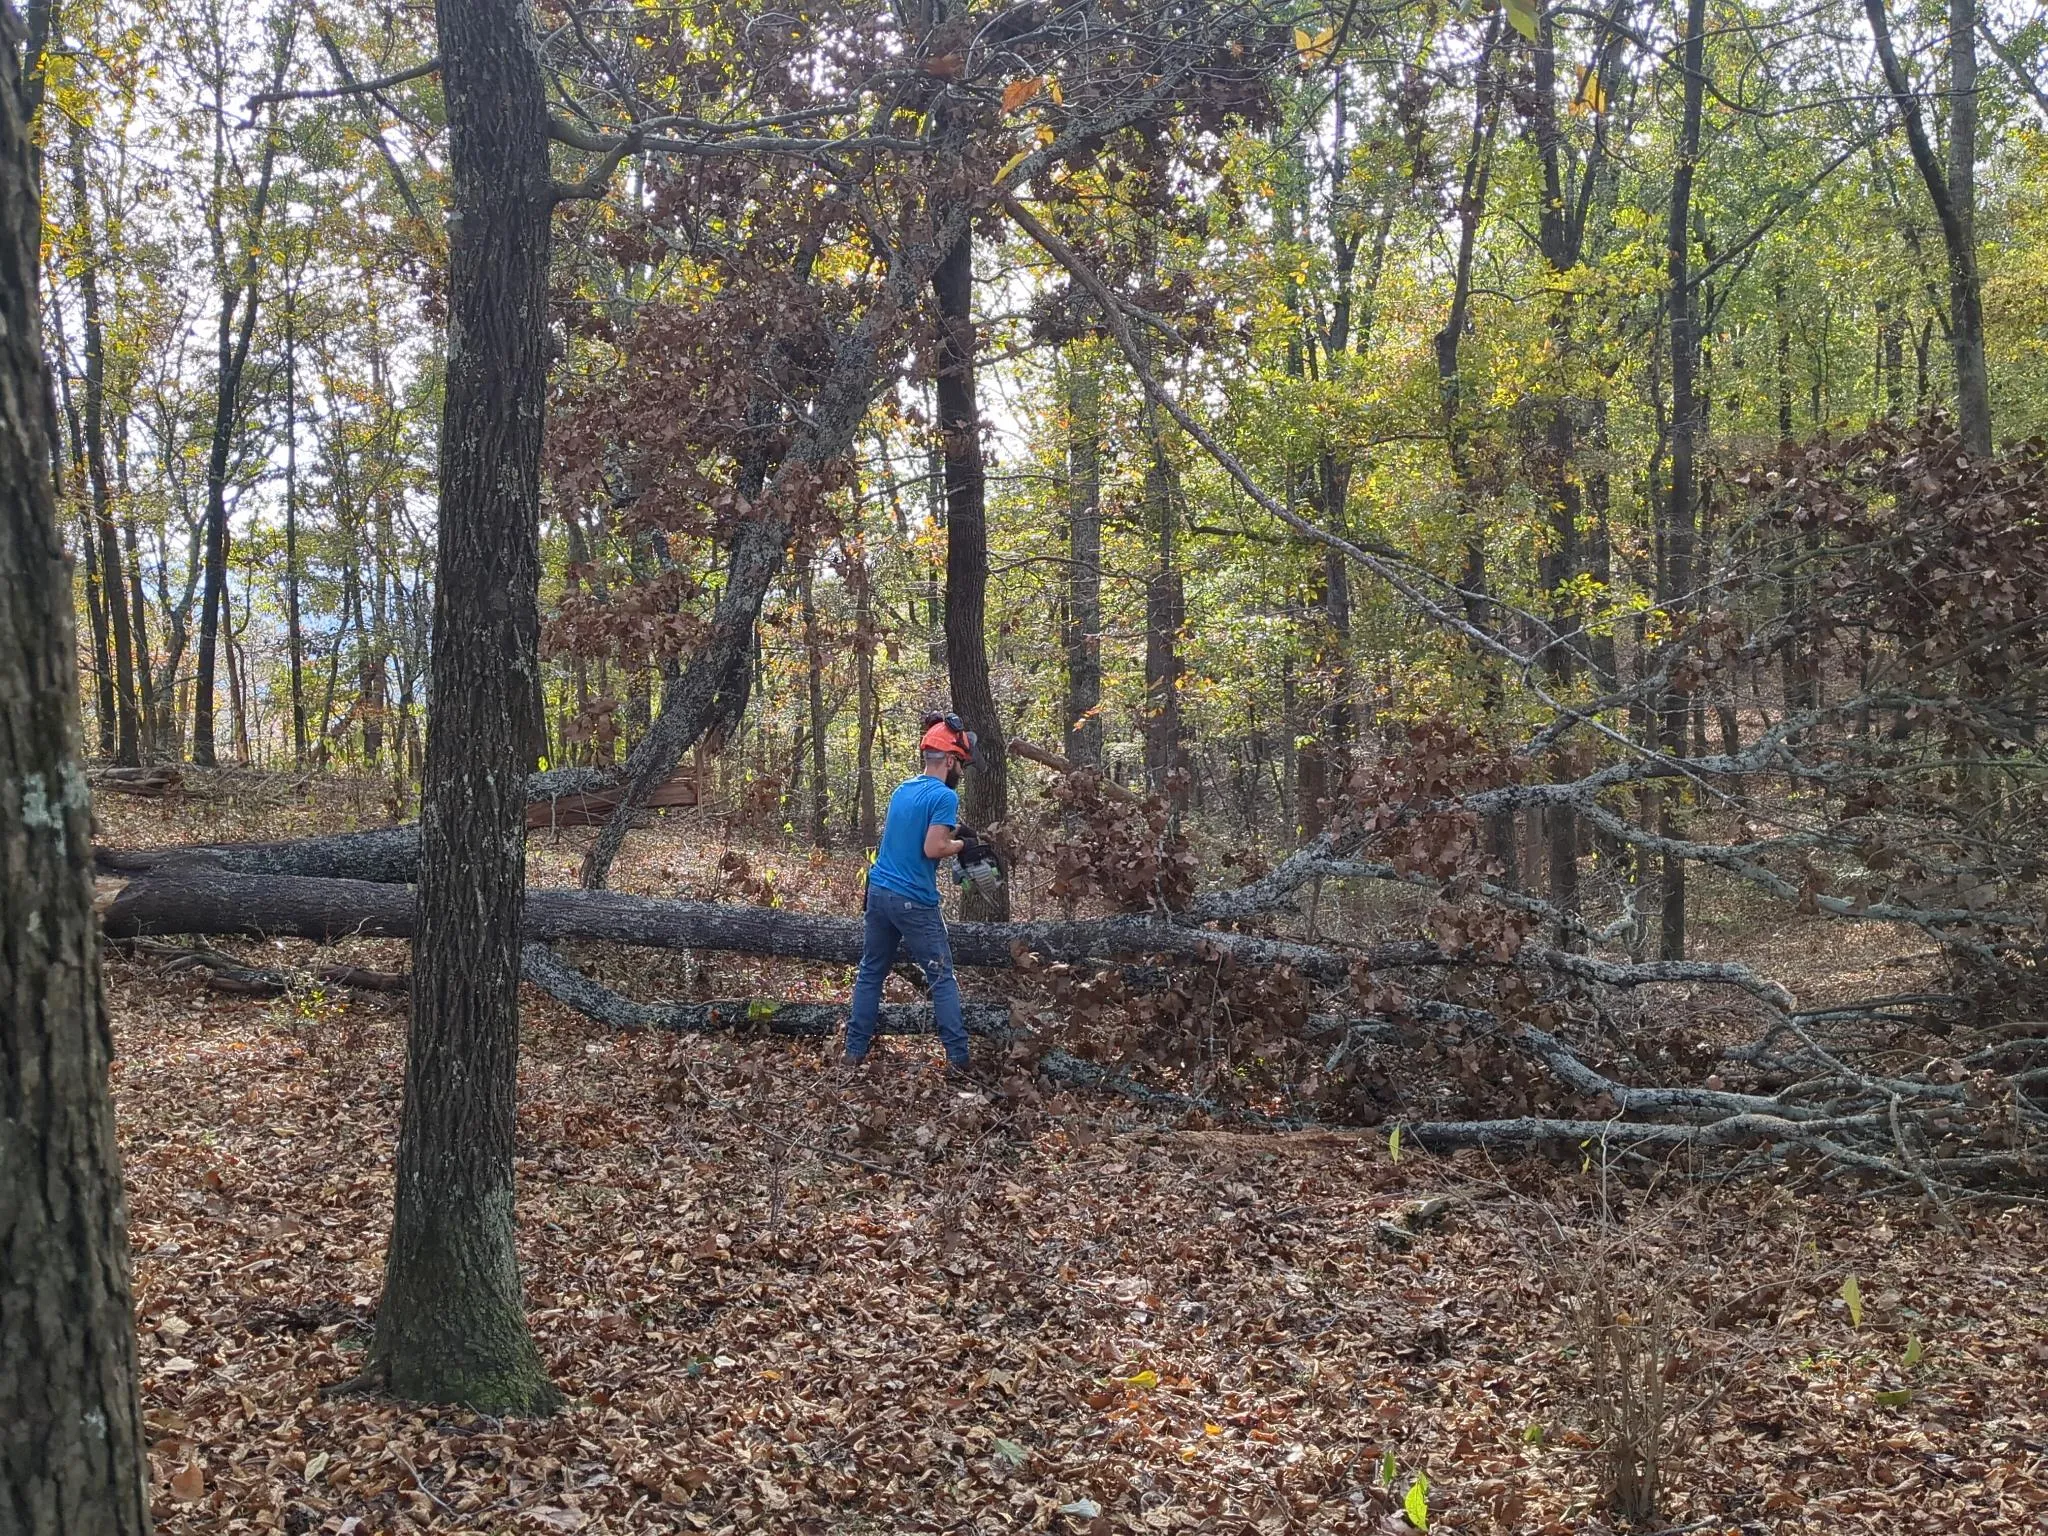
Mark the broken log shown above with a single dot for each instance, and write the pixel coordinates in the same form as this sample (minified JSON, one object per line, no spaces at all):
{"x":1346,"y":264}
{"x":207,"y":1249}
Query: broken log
{"x":210,"y":900}
{"x":593,"y":808}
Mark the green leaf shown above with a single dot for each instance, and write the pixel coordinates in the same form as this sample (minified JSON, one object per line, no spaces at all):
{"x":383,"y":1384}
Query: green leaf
{"x":1852,"y":1298}
{"x":760,"y":1009}
{"x":1012,"y":1452}
{"x":1915,"y":1351}
{"x":1416,"y":1505}
{"x":1389,"y":1468}
{"x":1897,"y":1399}
{"x":1394,"y":1144}
{"x":1533,"y":1435}
{"x":1522,"y":16}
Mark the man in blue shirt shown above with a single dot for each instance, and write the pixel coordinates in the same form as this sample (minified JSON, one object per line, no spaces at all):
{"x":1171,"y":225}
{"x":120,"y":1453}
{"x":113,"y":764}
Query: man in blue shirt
{"x":903,"y":893}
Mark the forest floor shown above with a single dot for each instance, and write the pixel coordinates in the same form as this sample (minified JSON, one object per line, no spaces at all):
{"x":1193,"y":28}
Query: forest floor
{"x":777,"y":1302}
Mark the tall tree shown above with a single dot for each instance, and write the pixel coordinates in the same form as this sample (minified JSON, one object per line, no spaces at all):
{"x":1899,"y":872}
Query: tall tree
{"x":238,"y":272}
{"x":113,"y":586}
{"x":988,"y":794}
{"x":1953,"y":191}
{"x":1083,"y":627}
{"x":452,"y":1325}
{"x":71,"y":1446}
{"x":1687,"y":424}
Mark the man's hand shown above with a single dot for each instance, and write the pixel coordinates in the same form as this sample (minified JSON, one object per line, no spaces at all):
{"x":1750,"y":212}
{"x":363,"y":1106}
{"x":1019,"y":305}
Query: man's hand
{"x":974,"y":851}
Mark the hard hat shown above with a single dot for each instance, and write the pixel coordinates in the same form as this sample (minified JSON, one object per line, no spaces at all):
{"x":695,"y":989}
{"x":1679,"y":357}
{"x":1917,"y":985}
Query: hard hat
{"x":946,"y":733}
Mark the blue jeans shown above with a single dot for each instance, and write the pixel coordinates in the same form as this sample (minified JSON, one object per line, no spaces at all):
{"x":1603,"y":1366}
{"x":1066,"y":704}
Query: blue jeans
{"x":894,"y":919}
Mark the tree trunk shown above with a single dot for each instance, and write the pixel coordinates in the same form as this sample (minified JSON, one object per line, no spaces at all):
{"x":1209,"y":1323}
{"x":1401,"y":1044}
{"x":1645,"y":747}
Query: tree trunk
{"x":1165,"y":766}
{"x":211,"y":901}
{"x":814,"y":659}
{"x":1082,"y":728}
{"x":237,"y":328}
{"x":1954,"y":195}
{"x":866,"y":825}
{"x":295,"y":640}
{"x":113,"y":588}
{"x":1676,"y":593}
{"x":1453,"y":414}
{"x":96,"y":621}
{"x":987,"y":797}
{"x":71,"y":1445}
{"x":138,"y":627}
{"x":451,"y":1326}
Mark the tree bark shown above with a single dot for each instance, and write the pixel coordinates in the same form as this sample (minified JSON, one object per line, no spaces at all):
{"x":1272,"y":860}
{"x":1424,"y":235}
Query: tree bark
{"x":1453,"y":407}
{"x":193,"y":901}
{"x":1679,"y":522}
{"x":565,"y":984}
{"x":113,"y":586}
{"x":866,"y":823}
{"x":1165,"y":611}
{"x":987,"y":797}
{"x":71,"y":1445}
{"x":1082,"y":728}
{"x":1954,"y":195}
{"x":295,"y":642}
{"x":236,"y":330}
{"x":814,"y":657}
{"x":452,"y":1326}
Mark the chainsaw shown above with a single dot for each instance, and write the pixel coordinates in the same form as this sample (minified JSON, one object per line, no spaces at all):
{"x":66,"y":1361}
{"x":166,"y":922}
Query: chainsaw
{"x":976,"y":867}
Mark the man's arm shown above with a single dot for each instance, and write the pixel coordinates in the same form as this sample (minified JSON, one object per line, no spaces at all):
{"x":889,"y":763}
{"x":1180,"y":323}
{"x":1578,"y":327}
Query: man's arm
{"x":940,"y":843}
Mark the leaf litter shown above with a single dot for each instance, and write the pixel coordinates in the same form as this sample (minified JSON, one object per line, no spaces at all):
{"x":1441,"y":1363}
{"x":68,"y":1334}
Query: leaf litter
{"x":776,"y":1302}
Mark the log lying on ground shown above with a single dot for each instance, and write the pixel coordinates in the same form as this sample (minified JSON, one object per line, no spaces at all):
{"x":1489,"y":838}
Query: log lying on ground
{"x":383,"y":854}
{"x":152,"y":783}
{"x":210,"y":900}
{"x":567,"y":985}
{"x":230,"y":973}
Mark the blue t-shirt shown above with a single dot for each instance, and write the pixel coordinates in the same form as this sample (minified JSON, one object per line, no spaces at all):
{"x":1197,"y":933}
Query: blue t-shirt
{"x":900,"y":865}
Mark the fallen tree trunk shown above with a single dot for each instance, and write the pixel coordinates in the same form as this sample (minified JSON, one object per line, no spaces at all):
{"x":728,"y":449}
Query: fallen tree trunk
{"x":388,"y":855}
{"x":211,"y":900}
{"x":230,"y":973}
{"x":565,"y":984}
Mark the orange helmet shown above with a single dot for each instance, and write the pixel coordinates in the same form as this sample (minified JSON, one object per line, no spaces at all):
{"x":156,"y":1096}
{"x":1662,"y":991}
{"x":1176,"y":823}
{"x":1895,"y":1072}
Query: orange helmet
{"x":946,"y":733}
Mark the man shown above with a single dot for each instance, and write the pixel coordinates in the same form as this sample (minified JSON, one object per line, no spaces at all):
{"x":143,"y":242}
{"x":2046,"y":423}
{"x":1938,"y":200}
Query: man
{"x":903,"y":892}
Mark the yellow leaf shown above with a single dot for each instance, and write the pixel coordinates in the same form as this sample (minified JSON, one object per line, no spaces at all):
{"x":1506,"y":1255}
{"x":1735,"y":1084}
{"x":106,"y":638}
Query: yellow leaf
{"x":1416,"y":1505}
{"x":1852,"y":1298}
{"x":1017,"y":92}
{"x":1592,"y":94}
{"x":1212,"y":1429}
{"x":1315,"y":48}
{"x":1522,"y":17}
{"x":1144,"y":1380}
{"x":1394,"y":1144}
{"x":1052,"y":86}
{"x":1010,"y":165}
